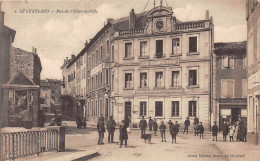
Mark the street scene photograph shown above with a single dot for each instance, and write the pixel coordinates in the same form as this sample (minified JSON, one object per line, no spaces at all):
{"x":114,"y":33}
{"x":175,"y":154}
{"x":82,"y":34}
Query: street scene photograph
{"x":129,"y":80}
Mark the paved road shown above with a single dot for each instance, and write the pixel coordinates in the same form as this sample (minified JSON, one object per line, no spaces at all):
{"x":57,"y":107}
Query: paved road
{"x":188,"y":147}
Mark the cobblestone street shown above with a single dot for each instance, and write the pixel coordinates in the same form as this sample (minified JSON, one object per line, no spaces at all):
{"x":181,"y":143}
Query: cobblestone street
{"x":188,"y":147}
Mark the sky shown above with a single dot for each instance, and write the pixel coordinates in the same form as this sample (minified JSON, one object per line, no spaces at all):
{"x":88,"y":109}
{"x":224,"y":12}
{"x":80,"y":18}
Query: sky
{"x":58,"y":35}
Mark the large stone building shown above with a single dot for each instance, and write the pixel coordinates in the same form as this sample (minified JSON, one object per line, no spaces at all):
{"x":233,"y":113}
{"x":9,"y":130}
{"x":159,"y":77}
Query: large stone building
{"x":28,"y":62}
{"x":20,"y":78}
{"x":230,"y":83}
{"x":161,"y":67}
{"x":50,"y":92}
{"x":7,"y":36}
{"x":148,"y":64}
{"x":253,"y":57}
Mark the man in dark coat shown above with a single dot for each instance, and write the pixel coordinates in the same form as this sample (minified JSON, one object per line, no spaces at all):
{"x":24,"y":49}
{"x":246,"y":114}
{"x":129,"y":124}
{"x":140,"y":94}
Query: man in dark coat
{"x":174,"y":131}
{"x":177,"y":127}
{"x":123,"y":133}
{"x":244,"y":132}
{"x":78,"y":122}
{"x":150,"y":123}
{"x":215,"y":131}
{"x":170,"y":124}
{"x":111,"y":125}
{"x":101,"y":130}
{"x":225,"y":129}
{"x":41,"y":118}
{"x":162,"y":128}
{"x":196,"y":125}
{"x":201,"y":130}
{"x":186,"y":124}
{"x":142,"y":126}
{"x":155,"y":127}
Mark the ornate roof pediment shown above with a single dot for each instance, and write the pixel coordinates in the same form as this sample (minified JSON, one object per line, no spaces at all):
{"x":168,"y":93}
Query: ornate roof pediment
{"x":160,"y":11}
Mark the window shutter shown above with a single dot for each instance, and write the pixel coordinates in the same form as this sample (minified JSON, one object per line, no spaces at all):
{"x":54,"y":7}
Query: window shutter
{"x":230,"y":88}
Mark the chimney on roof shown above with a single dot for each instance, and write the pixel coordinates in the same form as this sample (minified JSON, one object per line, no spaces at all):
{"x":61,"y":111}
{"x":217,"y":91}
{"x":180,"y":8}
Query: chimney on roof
{"x":2,"y":15}
{"x":207,"y":15}
{"x":67,"y":58}
{"x":110,"y":20}
{"x":72,"y":56}
{"x":34,"y":50}
{"x":86,"y":43}
{"x":132,"y":19}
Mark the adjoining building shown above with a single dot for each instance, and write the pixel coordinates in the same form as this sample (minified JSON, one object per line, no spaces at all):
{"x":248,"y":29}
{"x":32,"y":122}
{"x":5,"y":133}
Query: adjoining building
{"x":7,"y":36}
{"x":230,"y":83}
{"x":50,"y":92}
{"x":161,"y":67}
{"x":253,"y":74}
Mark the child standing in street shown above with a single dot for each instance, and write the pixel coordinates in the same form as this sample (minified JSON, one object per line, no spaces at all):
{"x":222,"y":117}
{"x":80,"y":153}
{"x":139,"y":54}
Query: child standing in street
{"x":231,"y":133}
{"x":155,"y":127}
{"x":201,"y":130}
{"x":162,"y":128}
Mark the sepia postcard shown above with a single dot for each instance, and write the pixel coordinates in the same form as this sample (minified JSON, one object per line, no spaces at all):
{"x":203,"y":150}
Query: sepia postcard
{"x":129,"y":80}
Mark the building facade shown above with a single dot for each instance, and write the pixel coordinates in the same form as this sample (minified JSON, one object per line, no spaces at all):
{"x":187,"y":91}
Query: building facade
{"x":7,"y":36}
{"x":147,"y":64}
{"x":230,"y":83}
{"x":161,"y":67}
{"x":50,"y":92}
{"x":253,"y":57}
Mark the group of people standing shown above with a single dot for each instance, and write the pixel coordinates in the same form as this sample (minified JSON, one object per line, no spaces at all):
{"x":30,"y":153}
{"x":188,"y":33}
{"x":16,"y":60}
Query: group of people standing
{"x":198,"y":127}
{"x":237,"y":131}
{"x":153,"y":126}
{"x":111,"y":126}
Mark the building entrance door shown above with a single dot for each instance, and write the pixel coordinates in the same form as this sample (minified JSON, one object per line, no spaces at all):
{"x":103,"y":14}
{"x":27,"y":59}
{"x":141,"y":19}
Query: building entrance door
{"x":127,"y":109}
{"x":235,"y":113}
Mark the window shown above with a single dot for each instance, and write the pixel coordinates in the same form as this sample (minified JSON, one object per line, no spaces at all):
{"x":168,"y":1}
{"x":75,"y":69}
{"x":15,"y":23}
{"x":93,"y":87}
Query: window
{"x":93,"y":60}
{"x":143,"y":109}
{"x":244,"y":88}
{"x":143,"y":48}
{"x":176,"y":46}
{"x":143,"y":79}
{"x":107,"y":46}
{"x":96,"y":62}
{"x":100,"y":106}
{"x":193,"y":44}
{"x":192,"y":77}
{"x":176,"y":78}
{"x":128,"y":50}
{"x":159,"y":48}
{"x":112,"y":81}
{"x":92,"y":83}
{"x":228,"y":62}
{"x":106,"y":76}
{"x":96,"y":82}
{"x":101,"y":79}
{"x":227,"y":88}
{"x":192,"y":108}
{"x":96,"y":108}
{"x":101,"y":53}
{"x":128,"y":80}
{"x":175,"y":109}
{"x":159,"y":79}
{"x":92,"y":108}
{"x":113,"y":53}
{"x":158,"y":108}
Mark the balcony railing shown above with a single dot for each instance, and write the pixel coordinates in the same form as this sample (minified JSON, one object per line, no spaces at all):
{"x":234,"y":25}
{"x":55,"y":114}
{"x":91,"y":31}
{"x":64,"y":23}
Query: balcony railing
{"x":132,"y":32}
{"x":191,"y":25}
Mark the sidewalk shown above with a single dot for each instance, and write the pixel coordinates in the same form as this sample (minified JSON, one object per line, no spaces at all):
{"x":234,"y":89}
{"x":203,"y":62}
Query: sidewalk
{"x":236,"y":151}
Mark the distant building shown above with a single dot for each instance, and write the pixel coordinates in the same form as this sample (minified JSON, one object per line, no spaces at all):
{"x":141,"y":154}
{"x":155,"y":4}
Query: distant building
{"x":230,"y":83}
{"x":50,"y":92}
{"x":253,"y":74}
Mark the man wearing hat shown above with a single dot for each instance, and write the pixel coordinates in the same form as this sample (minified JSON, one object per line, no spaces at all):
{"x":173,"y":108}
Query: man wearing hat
{"x":187,"y":124}
{"x":215,"y":131}
{"x":111,"y":124}
{"x":142,"y":126}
